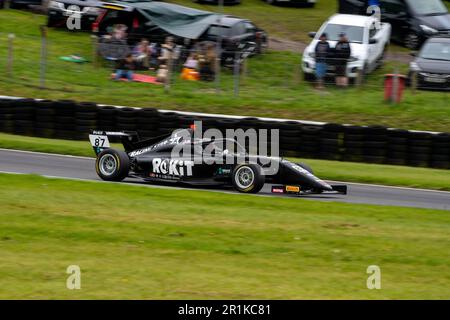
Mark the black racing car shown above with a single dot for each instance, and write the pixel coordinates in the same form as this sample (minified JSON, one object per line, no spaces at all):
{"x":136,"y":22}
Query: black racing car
{"x":153,"y":160}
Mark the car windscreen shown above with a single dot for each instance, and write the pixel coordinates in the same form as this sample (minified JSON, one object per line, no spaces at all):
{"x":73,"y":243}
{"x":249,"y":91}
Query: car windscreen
{"x":217,"y":31}
{"x":427,"y":7}
{"x":436,"y":51}
{"x":354,"y":34}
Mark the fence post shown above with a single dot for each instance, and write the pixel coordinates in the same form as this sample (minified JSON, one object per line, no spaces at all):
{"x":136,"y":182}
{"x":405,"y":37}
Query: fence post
{"x":43,"y":55}
{"x":94,"y":50}
{"x":359,"y":78}
{"x":9,"y":66}
{"x":169,"y":72}
{"x":414,"y":82}
{"x":395,"y":86}
{"x":237,"y":64}
{"x":7,"y":4}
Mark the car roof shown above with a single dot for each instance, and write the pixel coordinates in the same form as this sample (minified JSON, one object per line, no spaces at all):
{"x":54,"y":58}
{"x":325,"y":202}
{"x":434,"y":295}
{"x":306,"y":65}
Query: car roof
{"x":229,"y":21}
{"x":350,"y":20}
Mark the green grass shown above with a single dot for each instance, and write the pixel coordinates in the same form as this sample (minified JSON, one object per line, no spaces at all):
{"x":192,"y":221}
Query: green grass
{"x":331,"y":170}
{"x":150,"y":243}
{"x":272,"y":87}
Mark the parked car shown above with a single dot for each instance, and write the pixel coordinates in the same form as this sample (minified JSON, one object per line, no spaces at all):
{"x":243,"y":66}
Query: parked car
{"x":60,"y":10}
{"x":368,"y":42}
{"x":157,"y":20}
{"x":413,"y":21}
{"x":304,"y":3}
{"x":432,"y":64}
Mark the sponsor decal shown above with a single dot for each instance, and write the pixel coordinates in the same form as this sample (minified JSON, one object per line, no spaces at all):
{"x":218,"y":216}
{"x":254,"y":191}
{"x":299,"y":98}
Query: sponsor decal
{"x":173,"y":167}
{"x":277,"y":190}
{"x":172,"y":140}
{"x":292,"y":189}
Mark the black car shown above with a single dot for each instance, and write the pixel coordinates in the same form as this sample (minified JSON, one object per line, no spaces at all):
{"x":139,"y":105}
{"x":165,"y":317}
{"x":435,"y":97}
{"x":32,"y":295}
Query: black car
{"x":60,"y":10}
{"x":432,"y":64}
{"x":236,"y":34}
{"x":157,"y":20}
{"x":413,"y":21}
{"x":153,"y":160}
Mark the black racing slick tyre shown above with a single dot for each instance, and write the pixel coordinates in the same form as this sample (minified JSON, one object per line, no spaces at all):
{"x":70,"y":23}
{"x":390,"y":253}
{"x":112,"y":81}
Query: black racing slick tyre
{"x":112,"y":165}
{"x":248,"y":178}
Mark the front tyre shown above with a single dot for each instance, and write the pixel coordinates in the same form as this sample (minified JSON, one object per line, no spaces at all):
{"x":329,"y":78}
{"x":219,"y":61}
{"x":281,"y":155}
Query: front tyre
{"x":112,"y":165}
{"x":248,"y":178}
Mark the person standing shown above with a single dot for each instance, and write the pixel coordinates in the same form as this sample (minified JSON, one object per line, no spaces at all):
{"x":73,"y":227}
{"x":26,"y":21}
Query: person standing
{"x":322,"y":52}
{"x":342,"y":53}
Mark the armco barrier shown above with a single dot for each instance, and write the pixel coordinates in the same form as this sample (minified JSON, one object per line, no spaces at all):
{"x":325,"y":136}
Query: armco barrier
{"x":66,"y":119}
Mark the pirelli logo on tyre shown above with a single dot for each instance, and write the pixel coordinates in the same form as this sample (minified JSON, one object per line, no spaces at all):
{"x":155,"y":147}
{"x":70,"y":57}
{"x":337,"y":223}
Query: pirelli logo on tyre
{"x":292,"y":189}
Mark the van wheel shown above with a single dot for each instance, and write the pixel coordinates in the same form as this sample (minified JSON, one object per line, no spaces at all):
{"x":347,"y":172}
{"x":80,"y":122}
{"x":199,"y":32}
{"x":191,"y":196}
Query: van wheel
{"x":112,"y":165}
{"x":248,"y":178}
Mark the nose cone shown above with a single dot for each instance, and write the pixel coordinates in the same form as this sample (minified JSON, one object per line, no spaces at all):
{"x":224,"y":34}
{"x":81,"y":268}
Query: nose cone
{"x":325,"y":186}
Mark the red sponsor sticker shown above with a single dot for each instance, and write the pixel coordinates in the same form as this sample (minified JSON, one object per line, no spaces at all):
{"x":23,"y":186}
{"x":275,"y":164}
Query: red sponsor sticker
{"x":277,"y":190}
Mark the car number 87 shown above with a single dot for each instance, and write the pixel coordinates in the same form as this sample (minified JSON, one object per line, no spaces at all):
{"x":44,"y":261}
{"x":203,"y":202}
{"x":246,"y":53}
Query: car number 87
{"x":99,"y":141}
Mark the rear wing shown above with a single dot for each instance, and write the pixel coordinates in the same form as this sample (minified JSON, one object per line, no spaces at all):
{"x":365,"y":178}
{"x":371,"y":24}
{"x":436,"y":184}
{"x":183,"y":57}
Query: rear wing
{"x":100,"y":140}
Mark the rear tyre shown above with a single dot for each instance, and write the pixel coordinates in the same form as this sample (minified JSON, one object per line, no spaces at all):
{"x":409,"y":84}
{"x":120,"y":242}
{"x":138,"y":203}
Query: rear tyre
{"x":112,"y":165}
{"x":248,"y":178}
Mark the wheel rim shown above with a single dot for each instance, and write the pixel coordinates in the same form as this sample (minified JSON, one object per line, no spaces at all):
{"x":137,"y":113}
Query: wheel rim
{"x":244,"y":177}
{"x":412,"y":41}
{"x":107,"y":165}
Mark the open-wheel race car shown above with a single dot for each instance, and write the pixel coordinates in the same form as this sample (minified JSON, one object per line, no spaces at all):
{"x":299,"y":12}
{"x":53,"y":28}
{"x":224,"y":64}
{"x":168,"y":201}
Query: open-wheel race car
{"x":228,"y":165}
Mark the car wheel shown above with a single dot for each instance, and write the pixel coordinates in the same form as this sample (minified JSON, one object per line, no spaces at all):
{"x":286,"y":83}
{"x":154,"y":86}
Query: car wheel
{"x":306,"y":167}
{"x":412,"y":41}
{"x":112,"y":165}
{"x":248,"y":178}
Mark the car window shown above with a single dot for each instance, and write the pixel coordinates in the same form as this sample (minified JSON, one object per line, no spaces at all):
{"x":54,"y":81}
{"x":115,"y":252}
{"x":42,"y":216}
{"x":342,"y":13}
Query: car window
{"x":238,"y":29}
{"x":216,"y":31}
{"x":392,"y":6}
{"x":249,"y":27}
{"x":354,"y":34}
{"x":427,"y":7}
{"x":436,"y":51}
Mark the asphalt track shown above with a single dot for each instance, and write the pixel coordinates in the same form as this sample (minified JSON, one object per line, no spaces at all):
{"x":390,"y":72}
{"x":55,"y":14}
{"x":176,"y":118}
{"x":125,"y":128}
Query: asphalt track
{"x":83,"y":168}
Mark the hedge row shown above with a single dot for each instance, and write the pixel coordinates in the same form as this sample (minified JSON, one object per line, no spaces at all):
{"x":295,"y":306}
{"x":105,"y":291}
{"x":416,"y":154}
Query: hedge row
{"x":66,"y":119}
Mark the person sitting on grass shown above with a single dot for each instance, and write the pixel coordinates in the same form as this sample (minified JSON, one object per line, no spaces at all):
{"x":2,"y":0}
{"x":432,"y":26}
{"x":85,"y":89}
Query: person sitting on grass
{"x":125,"y":68}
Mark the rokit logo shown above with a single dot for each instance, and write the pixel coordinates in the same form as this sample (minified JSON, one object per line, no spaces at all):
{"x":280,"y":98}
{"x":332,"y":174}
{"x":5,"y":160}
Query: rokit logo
{"x":173,"y":167}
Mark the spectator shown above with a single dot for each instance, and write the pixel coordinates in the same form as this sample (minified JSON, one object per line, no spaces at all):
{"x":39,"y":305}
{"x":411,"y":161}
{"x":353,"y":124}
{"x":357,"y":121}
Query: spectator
{"x":125,"y":68}
{"x":322,"y":55}
{"x":142,"y":53}
{"x":342,"y":53}
{"x":167,"y":51}
{"x":190,"y":68}
{"x":120,"y":32}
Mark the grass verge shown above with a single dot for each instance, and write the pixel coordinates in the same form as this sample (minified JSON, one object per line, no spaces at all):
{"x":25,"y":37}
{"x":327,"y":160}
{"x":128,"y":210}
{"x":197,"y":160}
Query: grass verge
{"x":331,"y":170}
{"x":150,"y":243}
{"x":272,"y":86}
